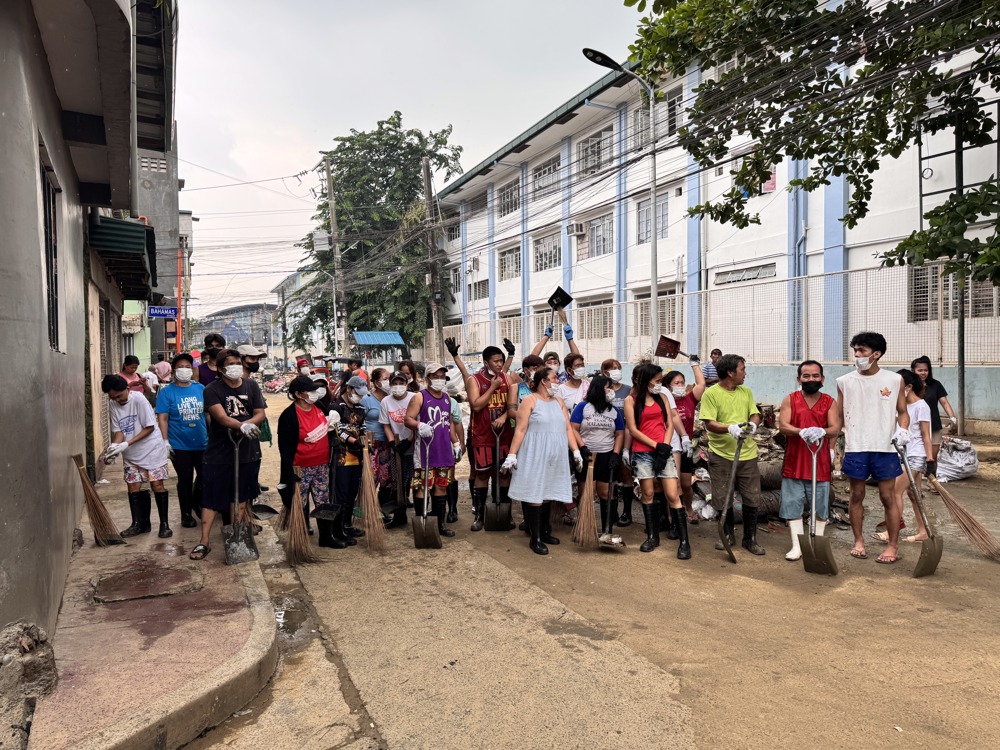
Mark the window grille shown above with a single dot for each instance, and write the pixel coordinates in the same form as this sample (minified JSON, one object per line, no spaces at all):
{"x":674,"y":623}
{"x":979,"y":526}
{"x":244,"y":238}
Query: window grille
{"x":600,"y":238}
{"x":479,"y":290}
{"x":454,"y":232}
{"x":545,"y":177}
{"x":674,"y":102}
{"x":509,"y":198}
{"x":596,"y":320}
{"x":643,"y":228}
{"x":510,"y":263}
{"x":548,"y":252}
{"x":595,"y":151}
{"x":671,"y":308}
{"x":542,"y":318}
{"x":753,"y":273}
{"x":510,"y":327}
{"x":51,"y":239}
{"x":640,"y":129}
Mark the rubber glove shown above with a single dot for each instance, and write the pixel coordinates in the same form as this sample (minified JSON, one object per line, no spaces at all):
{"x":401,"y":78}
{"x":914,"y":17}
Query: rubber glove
{"x":509,"y":346}
{"x":169,"y":447}
{"x":333,"y":419}
{"x":613,"y":461}
{"x":568,"y":332}
{"x":753,"y":428}
{"x":117,"y":449}
{"x":548,"y":331}
{"x":812,"y":435}
{"x":694,"y":359}
{"x":456,"y":450}
{"x":509,"y":463}
{"x":627,"y":457}
{"x":902,"y":437}
{"x":687,"y":446}
{"x":250,"y":430}
{"x":425,"y":430}
{"x":578,"y":460}
{"x":451,"y":346}
{"x":736,"y":431}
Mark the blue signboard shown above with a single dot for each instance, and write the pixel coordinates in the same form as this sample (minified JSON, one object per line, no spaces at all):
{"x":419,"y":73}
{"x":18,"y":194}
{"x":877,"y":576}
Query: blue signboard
{"x":162,"y":312}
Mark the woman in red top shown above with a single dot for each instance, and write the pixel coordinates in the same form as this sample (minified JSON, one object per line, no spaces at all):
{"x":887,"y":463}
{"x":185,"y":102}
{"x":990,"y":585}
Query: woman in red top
{"x":648,"y":419}
{"x":687,"y":399}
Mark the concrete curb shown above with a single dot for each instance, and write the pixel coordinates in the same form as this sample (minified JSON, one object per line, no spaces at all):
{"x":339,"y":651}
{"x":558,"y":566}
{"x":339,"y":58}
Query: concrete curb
{"x":181,"y":716}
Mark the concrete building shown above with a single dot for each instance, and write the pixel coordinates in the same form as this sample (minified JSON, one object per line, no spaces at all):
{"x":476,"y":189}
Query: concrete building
{"x":567,"y":203}
{"x":244,"y":324}
{"x":285,"y":292}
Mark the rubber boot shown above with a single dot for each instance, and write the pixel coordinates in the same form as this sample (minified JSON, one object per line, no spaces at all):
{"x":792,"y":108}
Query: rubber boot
{"x":326,"y":535}
{"x":681,"y":524}
{"x":651,"y":513}
{"x":349,"y":529}
{"x":505,"y":498}
{"x":533,"y":517}
{"x":668,"y":524}
{"x":133,"y":506}
{"x":452,"y":502}
{"x":796,"y":527}
{"x":628,"y":495}
{"x":820,"y":527}
{"x":439,"y":508}
{"x":144,"y":510}
{"x":386,"y":502}
{"x":604,"y":515}
{"x":523,"y":526}
{"x":162,"y":510}
{"x":545,"y":515}
{"x":339,"y":533}
{"x":750,"y":531}
{"x":478,"y":508}
{"x":309,"y":528}
{"x":187,"y":521}
{"x":728,"y":528}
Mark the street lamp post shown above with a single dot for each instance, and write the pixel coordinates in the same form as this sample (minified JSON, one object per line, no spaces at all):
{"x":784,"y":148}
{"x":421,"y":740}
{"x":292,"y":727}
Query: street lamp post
{"x":599,"y":58}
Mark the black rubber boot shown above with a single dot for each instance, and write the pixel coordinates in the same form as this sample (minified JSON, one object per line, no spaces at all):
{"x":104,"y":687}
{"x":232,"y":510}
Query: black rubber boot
{"x":670,"y":524}
{"x":478,"y":508}
{"x":651,"y":514}
{"x":162,"y":510}
{"x":627,"y":497}
{"x":326,"y":535}
{"x":523,"y":526}
{"x":143,"y":512}
{"x":339,"y":533}
{"x":681,"y":524}
{"x":309,"y":527}
{"x":728,"y":527}
{"x":750,"y":531}
{"x":349,"y":529}
{"x":399,"y":517}
{"x":418,"y":506}
{"x":133,"y":506}
{"x":452,"y":502}
{"x":533,"y":517}
{"x":604,"y":516}
{"x":439,"y":507}
{"x":546,"y":518}
{"x":386,"y":502}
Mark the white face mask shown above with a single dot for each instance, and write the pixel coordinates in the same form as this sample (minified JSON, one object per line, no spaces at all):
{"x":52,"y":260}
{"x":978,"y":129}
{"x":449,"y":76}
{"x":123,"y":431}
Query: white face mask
{"x":579,"y":373}
{"x":183,"y":374}
{"x":863,"y":364}
{"x":656,"y":389}
{"x":234,"y":372}
{"x":316,"y":395}
{"x":527,"y":375}
{"x":615,"y":375}
{"x":321,"y":392}
{"x":438,"y":384}
{"x":679,"y":391}
{"x":552,"y":389}
{"x":305,"y":370}
{"x":384,"y":386}
{"x":398,"y":391}
{"x":609,"y":395}
{"x":354,"y":398}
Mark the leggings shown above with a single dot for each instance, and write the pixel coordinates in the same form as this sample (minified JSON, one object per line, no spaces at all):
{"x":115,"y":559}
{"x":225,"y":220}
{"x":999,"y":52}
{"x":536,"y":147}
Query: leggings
{"x":187,"y":464}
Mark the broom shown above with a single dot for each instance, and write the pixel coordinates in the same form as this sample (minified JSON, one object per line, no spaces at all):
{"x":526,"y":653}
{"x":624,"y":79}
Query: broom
{"x":105,"y":532}
{"x":978,"y":535}
{"x":371,"y":512}
{"x":585,"y":530}
{"x":298,"y":551}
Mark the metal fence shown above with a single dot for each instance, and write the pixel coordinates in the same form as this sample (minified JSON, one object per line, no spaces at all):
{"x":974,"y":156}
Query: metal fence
{"x":779,"y":322}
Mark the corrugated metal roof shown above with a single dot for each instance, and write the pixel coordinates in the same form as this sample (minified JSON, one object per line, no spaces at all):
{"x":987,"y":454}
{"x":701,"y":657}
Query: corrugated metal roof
{"x":378,"y":338}
{"x":128,"y":249}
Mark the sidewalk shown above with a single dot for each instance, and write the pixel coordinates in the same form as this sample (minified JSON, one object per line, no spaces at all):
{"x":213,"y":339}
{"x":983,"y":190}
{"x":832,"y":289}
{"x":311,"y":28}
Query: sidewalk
{"x":151,"y":647}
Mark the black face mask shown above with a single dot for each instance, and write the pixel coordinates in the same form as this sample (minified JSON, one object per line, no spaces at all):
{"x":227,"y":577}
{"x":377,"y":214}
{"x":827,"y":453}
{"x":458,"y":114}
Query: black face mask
{"x":252,"y":366}
{"x":811,"y":387}
{"x":212,"y":353}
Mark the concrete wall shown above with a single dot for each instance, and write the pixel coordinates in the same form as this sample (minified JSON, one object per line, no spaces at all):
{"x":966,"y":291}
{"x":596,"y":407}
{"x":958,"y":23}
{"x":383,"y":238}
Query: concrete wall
{"x":158,"y":202}
{"x":42,"y":405}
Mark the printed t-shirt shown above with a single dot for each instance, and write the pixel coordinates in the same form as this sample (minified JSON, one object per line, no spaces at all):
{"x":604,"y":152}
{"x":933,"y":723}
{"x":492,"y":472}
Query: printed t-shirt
{"x":392,"y":412}
{"x":572,"y":396}
{"x":185,"y":409}
{"x":729,"y":407}
{"x":869,"y":410}
{"x":239,"y":404}
{"x":597,"y":428}
{"x":919,"y":412}
{"x":131,"y":419}
{"x":311,"y":454}
{"x":373,"y":407}
{"x":686,"y":407}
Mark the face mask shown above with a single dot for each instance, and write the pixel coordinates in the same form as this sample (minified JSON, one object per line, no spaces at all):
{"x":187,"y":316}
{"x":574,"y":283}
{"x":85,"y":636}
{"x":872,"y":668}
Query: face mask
{"x":211,"y":353}
{"x":354,"y":399}
{"x":863,"y":364}
{"x":656,"y":389}
{"x":398,"y":391}
{"x":609,"y":395}
{"x":253,"y":366}
{"x":409,"y":380}
{"x":552,"y":389}
{"x":305,"y":370}
{"x":383,"y":386}
{"x":527,"y":374}
{"x":811,"y":387}
{"x":234,"y":372}
{"x":438,"y":384}
{"x":321,"y":392}
{"x":553,"y":365}
{"x":615,"y":375}
{"x":316,"y":395}
{"x":579,"y":373}
{"x":183,"y":374}
{"x":679,"y":391}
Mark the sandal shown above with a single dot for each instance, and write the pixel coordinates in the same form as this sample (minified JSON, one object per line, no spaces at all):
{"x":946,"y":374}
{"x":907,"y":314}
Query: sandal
{"x":881,"y":537}
{"x":199,"y":552}
{"x":860,"y":554}
{"x":888,"y":559}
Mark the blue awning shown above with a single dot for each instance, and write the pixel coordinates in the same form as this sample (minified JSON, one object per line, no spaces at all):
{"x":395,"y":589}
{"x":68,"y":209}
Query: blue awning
{"x":378,"y":338}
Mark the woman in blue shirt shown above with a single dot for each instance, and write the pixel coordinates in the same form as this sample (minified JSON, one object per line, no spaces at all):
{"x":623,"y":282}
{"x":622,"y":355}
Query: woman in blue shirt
{"x":180,"y":413}
{"x":382,"y":453}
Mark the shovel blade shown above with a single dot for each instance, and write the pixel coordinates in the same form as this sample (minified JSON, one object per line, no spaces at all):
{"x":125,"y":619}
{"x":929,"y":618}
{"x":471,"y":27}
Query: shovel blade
{"x":325,"y":512}
{"x":725,"y":539}
{"x":497,"y":517}
{"x":238,"y":544}
{"x":817,"y":555}
{"x":425,"y":533}
{"x":930,"y":556}
{"x":263,"y":512}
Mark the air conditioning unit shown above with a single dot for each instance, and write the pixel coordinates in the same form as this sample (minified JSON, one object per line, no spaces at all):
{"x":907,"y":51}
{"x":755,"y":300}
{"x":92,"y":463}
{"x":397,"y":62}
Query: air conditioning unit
{"x":575,"y":229}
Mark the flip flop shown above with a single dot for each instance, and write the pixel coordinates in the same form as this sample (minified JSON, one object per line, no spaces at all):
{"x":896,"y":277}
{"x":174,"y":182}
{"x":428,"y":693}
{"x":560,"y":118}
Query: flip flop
{"x":860,"y":554}
{"x":913,"y":539}
{"x":885,"y":559}
{"x":878,"y":537}
{"x":199,"y":552}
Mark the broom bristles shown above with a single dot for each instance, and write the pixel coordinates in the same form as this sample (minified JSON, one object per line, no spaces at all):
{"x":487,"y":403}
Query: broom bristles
{"x":298,"y":551}
{"x":979,"y":536}
{"x":105,"y":531}
{"x":585,"y":530}
{"x":371,"y":512}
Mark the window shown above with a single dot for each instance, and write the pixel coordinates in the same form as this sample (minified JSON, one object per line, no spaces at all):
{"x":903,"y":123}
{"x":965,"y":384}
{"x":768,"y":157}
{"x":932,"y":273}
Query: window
{"x":510,"y":327}
{"x":596,"y":320}
{"x":594,"y":152}
{"x":454,"y":232}
{"x":456,"y":280}
{"x":674,"y":103}
{"x":479,"y":290}
{"x":767,"y":186}
{"x":545,"y":177}
{"x":599,"y":240}
{"x":509,"y":262}
{"x":727,"y":67}
{"x":150,"y":164}
{"x":640,"y":128}
{"x":509,"y":198}
{"x":543,"y":318}
{"x":671,"y":309}
{"x":753,"y":273}
{"x":642,"y":219}
{"x":51,"y":240}
{"x":128,"y":344}
{"x":928,"y":290}
{"x":548,"y":253}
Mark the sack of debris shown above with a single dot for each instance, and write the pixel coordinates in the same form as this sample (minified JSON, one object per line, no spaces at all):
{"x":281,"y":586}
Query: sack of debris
{"x":957,"y":459}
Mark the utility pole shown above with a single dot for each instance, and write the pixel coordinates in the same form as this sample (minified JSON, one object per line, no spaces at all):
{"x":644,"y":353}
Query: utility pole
{"x":433,"y":263}
{"x":284,"y":333}
{"x":338,"y":284}
{"x":962,"y":283}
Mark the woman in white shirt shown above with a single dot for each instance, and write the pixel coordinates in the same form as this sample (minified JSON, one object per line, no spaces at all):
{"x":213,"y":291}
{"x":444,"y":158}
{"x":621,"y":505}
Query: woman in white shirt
{"x":918,"y":450}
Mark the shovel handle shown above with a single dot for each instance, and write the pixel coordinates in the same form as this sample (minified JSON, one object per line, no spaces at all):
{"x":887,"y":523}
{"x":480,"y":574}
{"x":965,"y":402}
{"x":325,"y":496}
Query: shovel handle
{"x":918,"y":501}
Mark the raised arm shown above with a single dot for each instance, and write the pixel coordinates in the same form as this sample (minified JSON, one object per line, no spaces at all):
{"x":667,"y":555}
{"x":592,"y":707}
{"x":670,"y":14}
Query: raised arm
{"x":479,"y":401}
{"x":699,"y":380}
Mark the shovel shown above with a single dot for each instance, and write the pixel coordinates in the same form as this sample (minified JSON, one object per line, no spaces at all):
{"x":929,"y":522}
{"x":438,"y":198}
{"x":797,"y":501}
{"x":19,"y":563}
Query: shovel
{"x":669,"y":348}
{"x":729,"y":497}
{"x":426,"y":535}
{"x":817,"y":554}
{"x":497,"y":513}
{"x":263,"y":512}
{"x":931,"y":547}
{"x":237,"y":537}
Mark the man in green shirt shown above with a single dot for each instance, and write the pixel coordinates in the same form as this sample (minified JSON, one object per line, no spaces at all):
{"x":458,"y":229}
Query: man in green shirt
{"x":725,"y":407}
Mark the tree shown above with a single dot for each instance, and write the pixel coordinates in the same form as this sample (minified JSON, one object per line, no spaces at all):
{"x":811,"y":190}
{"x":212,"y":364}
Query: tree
{"x":378,"y":188}
{"x":843,"y":86}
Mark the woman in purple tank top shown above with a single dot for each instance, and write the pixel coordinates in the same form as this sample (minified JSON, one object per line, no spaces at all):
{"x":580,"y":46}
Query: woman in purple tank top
{"x":429,"y":416}
{"x":206,"y":372}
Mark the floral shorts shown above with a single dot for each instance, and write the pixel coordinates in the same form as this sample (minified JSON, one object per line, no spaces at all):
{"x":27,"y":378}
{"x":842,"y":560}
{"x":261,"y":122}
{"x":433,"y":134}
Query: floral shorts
{"x":439,"y":477}
{"x":135,"y":475}
{"x":314,"y":483}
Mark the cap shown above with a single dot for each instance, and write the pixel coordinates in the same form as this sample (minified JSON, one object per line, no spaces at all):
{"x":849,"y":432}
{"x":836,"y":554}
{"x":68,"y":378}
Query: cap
{"x":357,"y":383}
{"x":303,"y":361}
{"x":434,"y":367}
{"x":398,"y":375}
{"x":246,"y":350}
{"x":317,"y":376}
{"x":303,"y":384}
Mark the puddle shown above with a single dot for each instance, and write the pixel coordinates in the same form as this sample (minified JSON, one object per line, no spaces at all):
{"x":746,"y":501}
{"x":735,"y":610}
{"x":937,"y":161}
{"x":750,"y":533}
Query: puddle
{"x":290,"y":614}
{"x":145,"y":579}
{"x":170,"y":550}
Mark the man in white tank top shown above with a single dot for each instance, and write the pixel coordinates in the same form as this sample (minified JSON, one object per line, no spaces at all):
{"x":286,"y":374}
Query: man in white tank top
{"x":874,"y":413}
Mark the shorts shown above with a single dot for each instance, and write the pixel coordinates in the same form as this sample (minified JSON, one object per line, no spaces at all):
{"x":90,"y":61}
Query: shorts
{"x":936,"y":437}
{"x":642,"y":467}
{"x":135,"y":475}
{"x":217,"y":485}
{"x":917,"y":463}
{"x":687,"y":463}
{"x":601,"y":471}
{"x":747,"y":480}
{"x":796,"y":495}
{"x":314,"y":483}
{"x":482,"y":459}
{"x":440,"y":477}
{"x":879,"y":466}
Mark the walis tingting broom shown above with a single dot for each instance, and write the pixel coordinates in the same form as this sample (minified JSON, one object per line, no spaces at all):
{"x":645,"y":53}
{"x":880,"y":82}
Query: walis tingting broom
{"x":978,"y":535}
{"x":371,"y":511}
{"x":585,"y":530}
{"x":298,"y":551}
{"x":105,"y":532}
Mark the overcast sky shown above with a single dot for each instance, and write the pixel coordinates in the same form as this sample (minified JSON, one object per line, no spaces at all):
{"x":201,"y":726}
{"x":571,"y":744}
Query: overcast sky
{"x":263,"y":85}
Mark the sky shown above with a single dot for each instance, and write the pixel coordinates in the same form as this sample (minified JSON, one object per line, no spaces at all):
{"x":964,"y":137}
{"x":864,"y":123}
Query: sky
{"x":264,"y":85}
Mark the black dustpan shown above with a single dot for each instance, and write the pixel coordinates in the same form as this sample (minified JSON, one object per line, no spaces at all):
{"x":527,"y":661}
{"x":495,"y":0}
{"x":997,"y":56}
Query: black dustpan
{"x":560,"y":299}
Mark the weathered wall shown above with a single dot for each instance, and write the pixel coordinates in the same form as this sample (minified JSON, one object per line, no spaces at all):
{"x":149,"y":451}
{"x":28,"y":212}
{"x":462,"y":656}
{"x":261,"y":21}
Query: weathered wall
{"x":158,"y":201}
{"x":42,"y":403}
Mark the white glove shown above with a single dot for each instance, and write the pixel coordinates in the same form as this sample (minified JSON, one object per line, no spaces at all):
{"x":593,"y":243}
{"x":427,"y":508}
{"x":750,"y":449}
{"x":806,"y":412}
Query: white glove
{"x":736,"y":431}
{"x":902,"y":437}
{"x":687,"y":446}
{"x":250,"y":430}
{"x":753,"y":428}
{"x":169,"y":447}
{"x":626,"y":457}
{"x":812,"y":435}
{"x":456,"y":450}
{"x":578,"y":460}
{"x":333,"y":418}
{"x":318,"y":434}
{"x":425,"y":430}
{"x":117,"y":449}
{"x":509,"y":464}
{"x":954,"y":421}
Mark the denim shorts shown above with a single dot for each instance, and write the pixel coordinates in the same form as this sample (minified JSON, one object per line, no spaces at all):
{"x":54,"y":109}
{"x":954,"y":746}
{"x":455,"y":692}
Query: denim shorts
{"x":642,"y":467}
{"x":917,"y":463}
{"x":796,"y":495}
{"x":879,"y":466}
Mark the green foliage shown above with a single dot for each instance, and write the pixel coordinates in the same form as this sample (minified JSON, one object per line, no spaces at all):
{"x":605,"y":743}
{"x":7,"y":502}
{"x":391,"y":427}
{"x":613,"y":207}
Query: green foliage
{"x":378,"y":185}
{"x":843,"y":86}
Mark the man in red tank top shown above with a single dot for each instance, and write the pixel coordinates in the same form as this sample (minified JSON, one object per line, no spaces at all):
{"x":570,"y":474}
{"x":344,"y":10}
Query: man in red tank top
{"x":487,"y":391}
{"x":807,"y":417}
